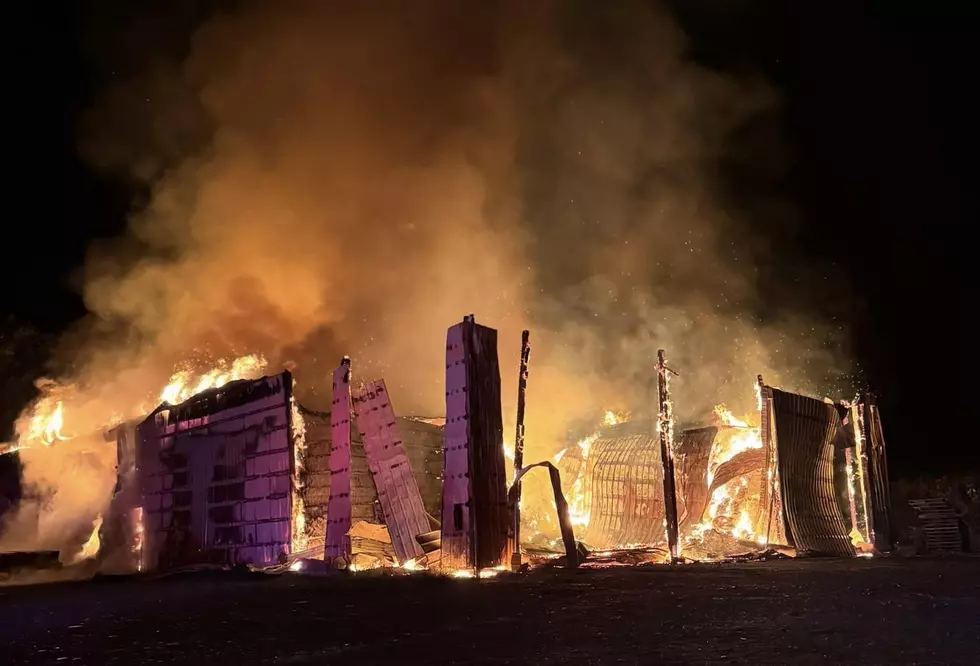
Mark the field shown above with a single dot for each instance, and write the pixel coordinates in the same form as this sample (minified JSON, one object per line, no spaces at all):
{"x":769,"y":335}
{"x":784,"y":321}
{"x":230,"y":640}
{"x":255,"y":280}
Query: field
{"x":793,"y":611}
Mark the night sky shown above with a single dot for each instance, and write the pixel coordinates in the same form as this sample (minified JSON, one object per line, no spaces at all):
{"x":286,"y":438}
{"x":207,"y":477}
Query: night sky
{"x":877,"y":108}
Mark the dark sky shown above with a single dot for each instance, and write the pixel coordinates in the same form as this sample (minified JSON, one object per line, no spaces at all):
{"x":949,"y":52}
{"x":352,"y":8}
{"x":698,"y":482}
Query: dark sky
{"x":877,"y":106}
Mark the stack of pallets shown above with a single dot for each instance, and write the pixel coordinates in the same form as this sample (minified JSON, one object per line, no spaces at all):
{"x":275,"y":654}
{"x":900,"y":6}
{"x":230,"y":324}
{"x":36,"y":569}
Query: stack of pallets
{"x":939,"y":523}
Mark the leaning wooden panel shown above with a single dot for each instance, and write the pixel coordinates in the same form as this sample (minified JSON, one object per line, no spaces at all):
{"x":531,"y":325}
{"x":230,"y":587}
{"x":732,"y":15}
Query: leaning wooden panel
{"x":398,"y":491}
{"x":475,"y":515}
{"x":337,"y":544}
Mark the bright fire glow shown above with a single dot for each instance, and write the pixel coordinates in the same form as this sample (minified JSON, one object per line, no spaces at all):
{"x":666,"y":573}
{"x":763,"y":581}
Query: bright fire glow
{"x":47,"y":422}
{"x":92,"y":545}
{"x":184,"y":384}
{"x":579,"y":509}
{"x":612,"y":418}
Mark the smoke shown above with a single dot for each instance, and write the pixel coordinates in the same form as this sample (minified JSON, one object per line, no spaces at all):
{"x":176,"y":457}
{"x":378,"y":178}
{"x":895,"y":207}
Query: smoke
{"x":334,"y":178}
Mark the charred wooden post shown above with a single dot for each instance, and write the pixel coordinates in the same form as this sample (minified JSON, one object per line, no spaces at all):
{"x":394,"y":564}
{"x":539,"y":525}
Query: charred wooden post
{"x":561,"y":506}
{"x":876,"y":468}
{"x":475,"y":516}
{"x":337,"y":543}
{"x":666,"y":430}
{"x":515,"y":558}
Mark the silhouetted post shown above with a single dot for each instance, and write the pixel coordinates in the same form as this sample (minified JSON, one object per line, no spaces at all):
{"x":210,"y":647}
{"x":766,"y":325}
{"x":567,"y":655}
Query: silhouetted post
{"x":515,"y":560}
{"x":666,"y":428}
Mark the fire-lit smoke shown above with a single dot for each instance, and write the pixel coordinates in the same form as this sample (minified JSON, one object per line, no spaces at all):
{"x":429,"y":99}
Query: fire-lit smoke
{"x":333,"y":178}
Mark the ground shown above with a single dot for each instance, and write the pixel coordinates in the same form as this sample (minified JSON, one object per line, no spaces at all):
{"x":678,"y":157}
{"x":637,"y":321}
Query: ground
{"x":812,"y":611}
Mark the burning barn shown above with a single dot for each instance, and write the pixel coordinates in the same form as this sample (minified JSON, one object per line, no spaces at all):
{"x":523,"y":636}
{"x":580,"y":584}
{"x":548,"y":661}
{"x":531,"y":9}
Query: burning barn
{"x":237,"y":472}
{"x":811,"y":477}
{"x":241,"y":474}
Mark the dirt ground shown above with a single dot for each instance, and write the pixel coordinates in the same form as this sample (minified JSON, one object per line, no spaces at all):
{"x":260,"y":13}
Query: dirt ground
{"x":812,"y":611}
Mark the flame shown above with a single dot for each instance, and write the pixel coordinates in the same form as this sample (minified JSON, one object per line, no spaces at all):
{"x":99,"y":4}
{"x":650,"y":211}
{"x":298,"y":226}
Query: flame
{"x":727,"y":418}
{"x":299,"y":538}
{"x":612,"y":418}
{"x":296,"y":566}
{"x":743,"y":529}
{"x":579,"y":509}
{"x":729,"y":444}
{"x":138,"y":530}
{"x":411,"y":565}
{"x":47,"y":422}
{"x":183,"y":384}
{"x":92,"y":545}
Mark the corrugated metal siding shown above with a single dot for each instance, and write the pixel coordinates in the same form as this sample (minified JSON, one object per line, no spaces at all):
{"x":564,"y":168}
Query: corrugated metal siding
{"x":398,"y":492}
{"x":214,"y":477}
{"x":692,"y":452}
{"x":805,"y":431}
{"x":627,"y":492}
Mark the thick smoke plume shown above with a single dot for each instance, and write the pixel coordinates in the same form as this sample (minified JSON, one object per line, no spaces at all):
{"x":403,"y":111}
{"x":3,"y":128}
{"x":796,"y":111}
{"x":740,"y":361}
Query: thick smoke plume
{"x":335,"y":178}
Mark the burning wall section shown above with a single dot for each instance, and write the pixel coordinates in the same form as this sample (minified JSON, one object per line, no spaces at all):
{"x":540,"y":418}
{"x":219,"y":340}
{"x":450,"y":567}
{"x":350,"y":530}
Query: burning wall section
{"x":215,"y":476}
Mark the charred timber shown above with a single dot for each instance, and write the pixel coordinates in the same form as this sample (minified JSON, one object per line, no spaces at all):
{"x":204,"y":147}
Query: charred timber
{"x":667,"y":454}
{"x":519,"y":447}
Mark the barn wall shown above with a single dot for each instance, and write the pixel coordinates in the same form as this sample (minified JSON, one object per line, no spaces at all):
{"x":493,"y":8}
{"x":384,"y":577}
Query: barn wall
{"x":215,"y":476}
{"x":423,"y":445}
{"x":317,"y":490}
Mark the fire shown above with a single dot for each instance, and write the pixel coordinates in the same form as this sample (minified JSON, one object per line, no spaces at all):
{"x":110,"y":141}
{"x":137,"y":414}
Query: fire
{"x":47,"y":422}
{"x":743,"y":529}
{"x":299,"y":538}
{"x":183,"y":384}
{"x":92,"y":545}
{"x":612,"y":418}
{"x":729,"y":444}
{"x":47,"y":416}
{"x":727,"y":418}
{"x":579,"y":511}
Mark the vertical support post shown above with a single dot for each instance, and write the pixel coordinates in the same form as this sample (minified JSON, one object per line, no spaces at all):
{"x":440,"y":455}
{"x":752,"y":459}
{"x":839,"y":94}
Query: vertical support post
{"x":337,"y":544}
{"x":515,"y":558}
{"x":666,"y":430}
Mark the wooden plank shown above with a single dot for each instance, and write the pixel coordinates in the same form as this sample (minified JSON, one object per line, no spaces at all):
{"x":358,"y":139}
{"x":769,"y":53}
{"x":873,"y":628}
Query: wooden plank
{"x":337,"y":544}
{"x":398,"y":491}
